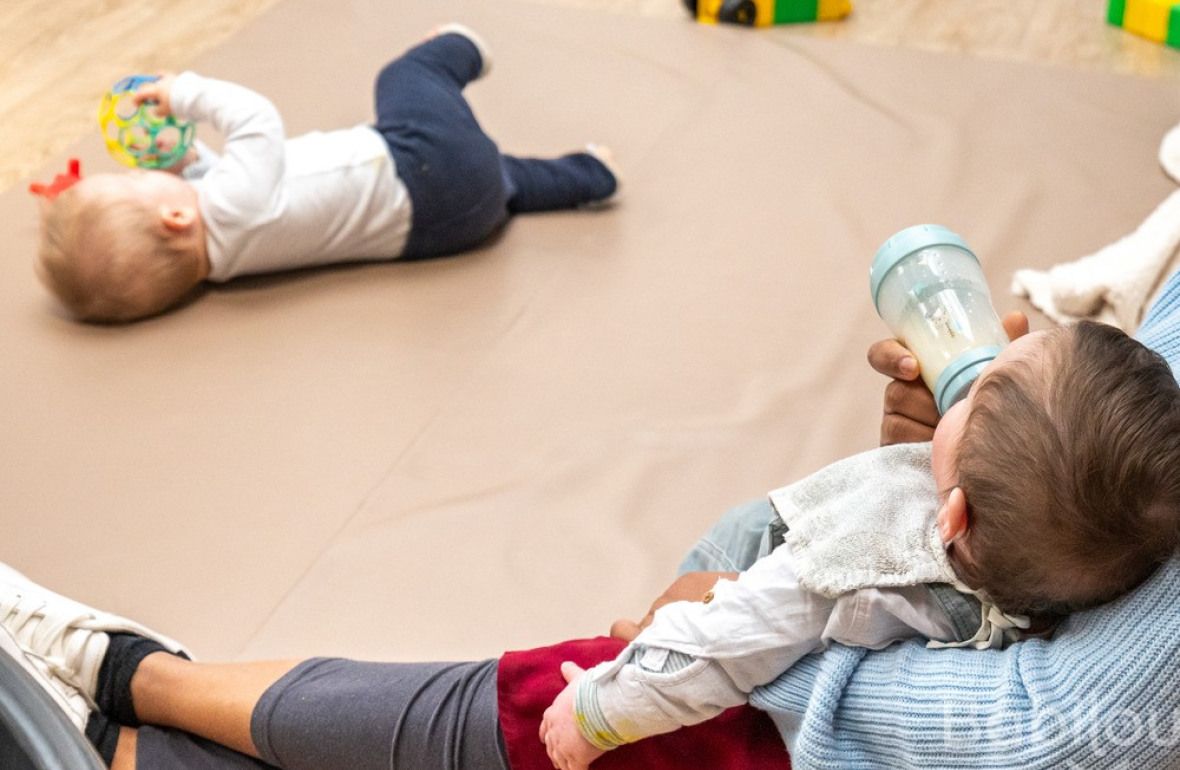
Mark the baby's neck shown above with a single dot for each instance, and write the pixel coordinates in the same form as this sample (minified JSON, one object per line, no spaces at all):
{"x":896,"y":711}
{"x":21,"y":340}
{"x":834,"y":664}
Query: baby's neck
{"x":199,"y":247}
{"x":201,"y":251}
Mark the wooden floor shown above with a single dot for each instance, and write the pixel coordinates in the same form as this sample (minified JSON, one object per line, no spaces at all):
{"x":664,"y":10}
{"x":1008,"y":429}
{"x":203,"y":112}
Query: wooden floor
{"x":56,"y":59}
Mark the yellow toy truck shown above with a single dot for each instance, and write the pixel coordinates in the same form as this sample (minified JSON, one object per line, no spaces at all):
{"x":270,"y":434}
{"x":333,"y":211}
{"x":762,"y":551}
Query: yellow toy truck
{"x":763,"y":13}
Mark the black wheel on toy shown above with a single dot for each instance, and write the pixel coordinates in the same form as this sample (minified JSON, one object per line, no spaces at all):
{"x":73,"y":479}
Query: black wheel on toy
{"x":738,"y":12}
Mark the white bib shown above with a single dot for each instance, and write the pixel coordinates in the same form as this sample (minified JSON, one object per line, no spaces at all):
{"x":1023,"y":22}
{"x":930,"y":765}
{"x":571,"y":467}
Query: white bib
{"x":870,"y":521}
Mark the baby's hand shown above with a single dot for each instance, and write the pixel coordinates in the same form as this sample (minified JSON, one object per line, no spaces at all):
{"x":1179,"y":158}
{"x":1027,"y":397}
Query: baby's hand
{"x":158,"y":91}
{"x":177,"y":168}
{"x":567,"y":748}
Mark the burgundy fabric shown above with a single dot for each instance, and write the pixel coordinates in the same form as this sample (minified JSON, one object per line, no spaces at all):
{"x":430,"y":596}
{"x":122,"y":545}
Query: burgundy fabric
{"x":740,"y":739}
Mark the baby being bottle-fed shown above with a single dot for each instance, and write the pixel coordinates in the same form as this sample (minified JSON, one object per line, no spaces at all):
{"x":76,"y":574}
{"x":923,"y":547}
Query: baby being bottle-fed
{"x":929,"y":288}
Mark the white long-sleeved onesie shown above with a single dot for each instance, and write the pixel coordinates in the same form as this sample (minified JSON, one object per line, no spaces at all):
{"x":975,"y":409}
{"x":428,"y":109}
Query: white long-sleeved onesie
{"x":861,"y":551}
{"x":270,"y":203}
{"x":697,"y":659}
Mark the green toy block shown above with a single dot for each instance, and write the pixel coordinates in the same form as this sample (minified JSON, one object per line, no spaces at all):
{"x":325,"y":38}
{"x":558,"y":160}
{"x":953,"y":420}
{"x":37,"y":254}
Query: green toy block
{"x":1115,"y":12}
{"x":790,"y":11}
{"x":1157,"y":20}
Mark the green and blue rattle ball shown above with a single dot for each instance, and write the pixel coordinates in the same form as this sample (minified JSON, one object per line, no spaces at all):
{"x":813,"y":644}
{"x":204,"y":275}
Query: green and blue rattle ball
{"x":135,"y":134}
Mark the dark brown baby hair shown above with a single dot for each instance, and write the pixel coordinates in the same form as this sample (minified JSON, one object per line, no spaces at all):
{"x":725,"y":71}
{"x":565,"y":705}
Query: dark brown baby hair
{"x":1070,"y":462}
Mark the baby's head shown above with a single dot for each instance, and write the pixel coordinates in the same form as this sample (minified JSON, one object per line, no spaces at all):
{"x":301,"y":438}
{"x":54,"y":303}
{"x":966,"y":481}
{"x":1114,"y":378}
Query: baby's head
{"x":116,"y":247}
{"x":1062,"y":471}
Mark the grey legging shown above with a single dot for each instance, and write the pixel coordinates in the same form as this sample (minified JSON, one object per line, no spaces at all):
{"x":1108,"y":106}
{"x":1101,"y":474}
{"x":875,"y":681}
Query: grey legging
{"x":330,"y":713}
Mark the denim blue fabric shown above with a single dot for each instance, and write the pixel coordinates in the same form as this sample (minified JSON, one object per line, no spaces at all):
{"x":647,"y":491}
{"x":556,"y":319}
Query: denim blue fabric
{"x":738,"y":539}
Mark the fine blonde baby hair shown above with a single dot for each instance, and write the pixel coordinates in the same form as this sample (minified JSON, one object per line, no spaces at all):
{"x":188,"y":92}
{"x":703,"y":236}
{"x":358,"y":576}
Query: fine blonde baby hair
{"x":110,"y":258}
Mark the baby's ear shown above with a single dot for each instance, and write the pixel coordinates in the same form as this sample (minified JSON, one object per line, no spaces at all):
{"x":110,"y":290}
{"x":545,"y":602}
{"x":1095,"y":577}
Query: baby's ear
{"x":178,"y":218}
{"x":953,"y":519}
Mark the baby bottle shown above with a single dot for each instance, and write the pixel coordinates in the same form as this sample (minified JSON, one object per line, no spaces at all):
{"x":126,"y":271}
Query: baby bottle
{"x":929,"y":288}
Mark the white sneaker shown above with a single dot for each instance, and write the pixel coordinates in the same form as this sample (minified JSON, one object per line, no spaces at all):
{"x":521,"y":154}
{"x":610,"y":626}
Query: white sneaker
{"x":485,"y":54}
{"x":75,"y":705}
{"x":63,"y":639}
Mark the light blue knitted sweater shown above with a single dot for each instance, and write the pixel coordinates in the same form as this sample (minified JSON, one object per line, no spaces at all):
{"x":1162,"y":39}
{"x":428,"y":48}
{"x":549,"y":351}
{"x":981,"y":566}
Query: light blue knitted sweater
{"x":1103,"y":694}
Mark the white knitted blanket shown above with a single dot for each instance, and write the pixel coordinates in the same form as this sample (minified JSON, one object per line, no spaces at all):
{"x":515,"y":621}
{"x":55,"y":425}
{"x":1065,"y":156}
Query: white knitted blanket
{"x":1112,"y":284}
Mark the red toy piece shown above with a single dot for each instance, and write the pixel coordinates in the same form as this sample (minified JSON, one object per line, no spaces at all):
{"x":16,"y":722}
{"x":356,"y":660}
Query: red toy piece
{"x":60,"y":182}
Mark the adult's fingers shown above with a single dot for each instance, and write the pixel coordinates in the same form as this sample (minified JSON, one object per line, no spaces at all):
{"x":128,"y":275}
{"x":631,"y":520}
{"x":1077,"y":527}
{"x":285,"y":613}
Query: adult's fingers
{"x":899,"y":429}
{"x":892,"y":359}
{"x":1015,"y":324}
{"x":912,"y":400}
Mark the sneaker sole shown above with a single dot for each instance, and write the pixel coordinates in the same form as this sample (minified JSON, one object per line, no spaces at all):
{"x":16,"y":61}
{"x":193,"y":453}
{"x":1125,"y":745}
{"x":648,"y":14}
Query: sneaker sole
{"x":77,"y":713}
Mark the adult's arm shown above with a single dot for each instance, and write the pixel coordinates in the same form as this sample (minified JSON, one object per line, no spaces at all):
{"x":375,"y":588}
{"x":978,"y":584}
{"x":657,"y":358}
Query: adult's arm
{"x":688,"y":587}
{"x":1103,"y":694}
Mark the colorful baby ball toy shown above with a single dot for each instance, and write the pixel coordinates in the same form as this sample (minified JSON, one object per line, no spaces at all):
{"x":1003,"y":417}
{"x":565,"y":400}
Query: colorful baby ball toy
{"x":135,"y":134}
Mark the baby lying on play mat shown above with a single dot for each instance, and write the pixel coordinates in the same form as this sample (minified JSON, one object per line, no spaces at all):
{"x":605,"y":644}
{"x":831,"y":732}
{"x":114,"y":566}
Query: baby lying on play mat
{"x":423,"y":181}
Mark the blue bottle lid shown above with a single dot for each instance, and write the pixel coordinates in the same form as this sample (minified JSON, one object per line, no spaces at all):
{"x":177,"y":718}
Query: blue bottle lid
{"x":904,"y":243}
{"x":958,"y":375}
